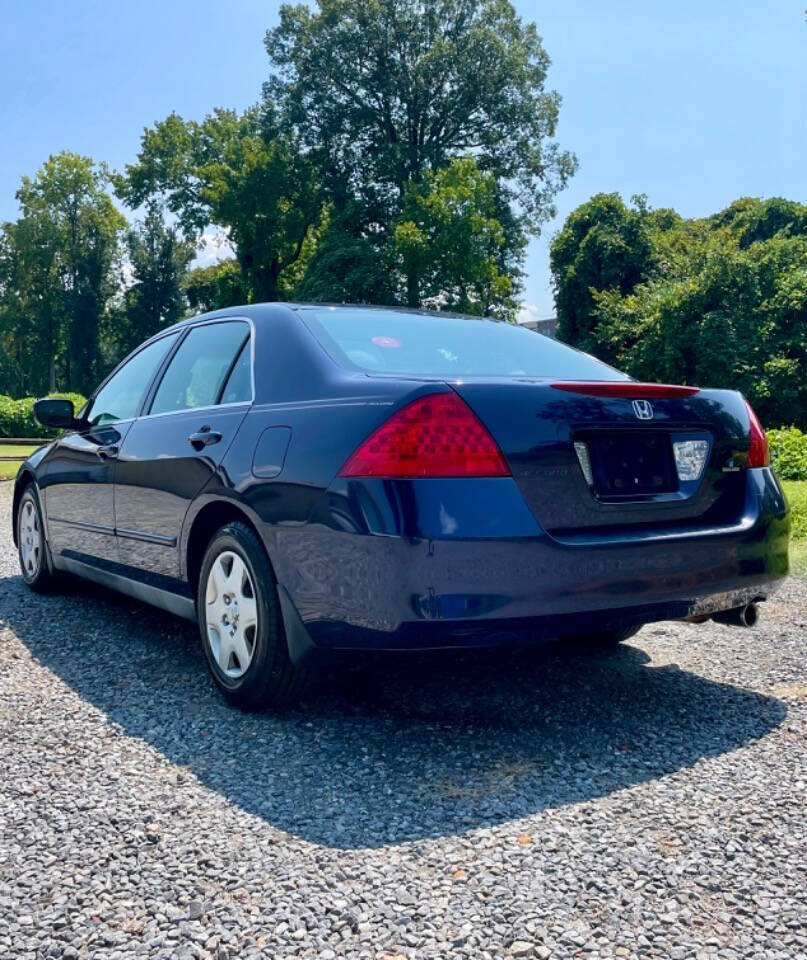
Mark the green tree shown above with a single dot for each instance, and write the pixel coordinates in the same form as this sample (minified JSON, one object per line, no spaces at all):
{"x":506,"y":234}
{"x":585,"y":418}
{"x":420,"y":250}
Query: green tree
{"x":351,"y":262}
{"x":459,"y":244}
{"x":59,"y":270}
{"x":604,"y":245}
{"x":216,"y":286}
{"x":751,"y":220}
{"x":31,"y":327}
{"x":241,"y":173}
{"x":719,"y":302}
{"x":381,"y":92}
{"x":158,"y":259}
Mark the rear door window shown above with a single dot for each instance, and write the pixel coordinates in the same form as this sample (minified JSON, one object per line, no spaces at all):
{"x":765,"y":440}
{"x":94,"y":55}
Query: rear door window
{"x":202,"y":367}
{"x":238,"y":388}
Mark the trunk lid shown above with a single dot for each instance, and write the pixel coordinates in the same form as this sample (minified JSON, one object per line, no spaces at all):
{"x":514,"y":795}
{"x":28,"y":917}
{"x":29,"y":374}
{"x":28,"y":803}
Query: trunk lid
{"x":634,"y":481}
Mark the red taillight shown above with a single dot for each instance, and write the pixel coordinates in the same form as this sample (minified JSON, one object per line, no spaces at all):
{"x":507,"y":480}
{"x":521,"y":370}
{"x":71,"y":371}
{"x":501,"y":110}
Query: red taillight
{"x":759,"y":455}
{"x":624,"y":388}
{"x":437,"y":435}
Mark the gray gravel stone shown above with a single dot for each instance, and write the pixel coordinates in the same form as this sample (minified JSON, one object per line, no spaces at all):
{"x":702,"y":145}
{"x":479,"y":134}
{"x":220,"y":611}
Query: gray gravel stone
{"x":644,"y":802}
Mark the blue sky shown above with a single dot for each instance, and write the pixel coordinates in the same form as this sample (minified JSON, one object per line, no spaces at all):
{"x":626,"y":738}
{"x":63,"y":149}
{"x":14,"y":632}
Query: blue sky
{"x":694,"y":103}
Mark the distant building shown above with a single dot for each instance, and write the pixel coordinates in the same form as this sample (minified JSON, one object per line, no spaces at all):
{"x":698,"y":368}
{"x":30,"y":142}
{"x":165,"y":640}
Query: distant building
{"x":547,"y":327}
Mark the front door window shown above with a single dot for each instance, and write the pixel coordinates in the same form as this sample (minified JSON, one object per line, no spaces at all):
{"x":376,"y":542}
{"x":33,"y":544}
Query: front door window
{"x":120,"y":397}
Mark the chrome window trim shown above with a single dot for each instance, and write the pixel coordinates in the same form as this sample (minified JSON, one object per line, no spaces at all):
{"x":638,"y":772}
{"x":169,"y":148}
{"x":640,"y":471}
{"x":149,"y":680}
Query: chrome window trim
{"x":186,"y":410}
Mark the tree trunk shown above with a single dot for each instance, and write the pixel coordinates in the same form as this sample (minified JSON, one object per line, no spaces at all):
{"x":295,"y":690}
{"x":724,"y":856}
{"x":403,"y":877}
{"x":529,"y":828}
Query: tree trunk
{"x":260,"y":281}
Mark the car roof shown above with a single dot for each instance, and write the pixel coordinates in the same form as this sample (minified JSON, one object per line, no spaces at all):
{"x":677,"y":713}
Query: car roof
{"x":255,"y":311}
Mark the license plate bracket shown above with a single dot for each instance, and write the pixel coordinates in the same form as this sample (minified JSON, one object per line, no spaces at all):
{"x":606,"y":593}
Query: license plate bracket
{"x":631,"y":463}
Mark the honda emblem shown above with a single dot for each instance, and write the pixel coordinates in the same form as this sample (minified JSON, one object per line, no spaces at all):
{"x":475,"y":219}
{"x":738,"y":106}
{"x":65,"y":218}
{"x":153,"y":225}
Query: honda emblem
{"x":643,"y":409}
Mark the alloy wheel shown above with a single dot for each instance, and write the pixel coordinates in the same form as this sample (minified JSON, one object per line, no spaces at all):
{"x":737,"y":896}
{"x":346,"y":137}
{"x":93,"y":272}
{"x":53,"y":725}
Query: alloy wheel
{"x":231,"y":614}
{"x":30,"y":538}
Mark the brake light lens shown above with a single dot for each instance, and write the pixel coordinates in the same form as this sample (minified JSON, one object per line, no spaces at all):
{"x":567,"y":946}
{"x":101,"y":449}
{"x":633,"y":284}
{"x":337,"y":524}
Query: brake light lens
{"x":624,"y":388}
{"x":759,"y":455}
{"x":437,"y":435}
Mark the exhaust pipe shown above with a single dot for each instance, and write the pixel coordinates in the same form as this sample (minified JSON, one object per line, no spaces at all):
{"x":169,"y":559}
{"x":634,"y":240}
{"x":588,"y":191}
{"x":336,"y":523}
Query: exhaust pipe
{"x":746,"y":616}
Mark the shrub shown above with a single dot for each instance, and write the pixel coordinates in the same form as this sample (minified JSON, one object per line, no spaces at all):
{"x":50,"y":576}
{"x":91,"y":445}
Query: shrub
{"x":789,"y":453}
{"x":17,"y":416}
{"x":796,"y":494}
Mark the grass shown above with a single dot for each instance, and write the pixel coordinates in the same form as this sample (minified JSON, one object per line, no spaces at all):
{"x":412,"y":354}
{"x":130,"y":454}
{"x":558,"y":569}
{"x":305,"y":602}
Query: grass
{"x":9,"y":468}
{"x":798,"y":558}
{"x":796,"y":493}
{"x":21,"y":450}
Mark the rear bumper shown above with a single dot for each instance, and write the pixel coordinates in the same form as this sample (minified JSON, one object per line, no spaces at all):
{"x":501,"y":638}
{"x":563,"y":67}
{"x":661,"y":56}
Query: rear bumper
{"x":387,"y":566}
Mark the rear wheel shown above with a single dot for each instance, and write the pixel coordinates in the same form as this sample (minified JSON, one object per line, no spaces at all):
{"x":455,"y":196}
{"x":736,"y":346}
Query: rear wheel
{"x":31,"y":546}
{"x":240,"y":623}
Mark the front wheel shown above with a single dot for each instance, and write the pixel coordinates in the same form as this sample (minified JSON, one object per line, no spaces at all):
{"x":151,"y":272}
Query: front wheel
{"x":240,"y":623}
{"x":31,"y":546}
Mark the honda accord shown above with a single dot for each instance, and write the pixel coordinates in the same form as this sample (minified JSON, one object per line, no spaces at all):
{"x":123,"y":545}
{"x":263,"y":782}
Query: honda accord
{"x":307,"y":478}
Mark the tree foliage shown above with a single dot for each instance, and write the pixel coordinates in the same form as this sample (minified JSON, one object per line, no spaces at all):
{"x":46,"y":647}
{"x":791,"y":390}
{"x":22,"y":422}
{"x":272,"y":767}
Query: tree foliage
{"x":384,"y":94}
{"x":17,"y":416}
{"x":604,"y":245}
{"x":216,"y":286}
{"x":353,"y":261}
{"x":158,"y":259}
{"x":319,"y":189}
{"x":789,"y":453}
{"x":383,"y":90}
{"x":239,"y":172}
{"x":324,"y":190}
{"x":58,"y":272}
{"x":719,"y":302}
{"x":459,"y":243}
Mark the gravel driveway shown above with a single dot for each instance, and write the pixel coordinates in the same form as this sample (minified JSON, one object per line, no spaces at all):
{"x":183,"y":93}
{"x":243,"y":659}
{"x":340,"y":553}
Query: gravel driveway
{"x":647,"y":802}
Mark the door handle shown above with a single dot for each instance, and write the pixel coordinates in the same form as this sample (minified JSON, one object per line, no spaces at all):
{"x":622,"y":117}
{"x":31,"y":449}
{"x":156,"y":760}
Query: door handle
{"x":108,"y":451}
{"x":203,"y":438}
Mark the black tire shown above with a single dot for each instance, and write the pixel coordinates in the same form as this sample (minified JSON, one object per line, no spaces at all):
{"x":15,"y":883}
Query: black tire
{"x":270,"y":680}
{"x":34,"y":564}
{"x":603,"y":639}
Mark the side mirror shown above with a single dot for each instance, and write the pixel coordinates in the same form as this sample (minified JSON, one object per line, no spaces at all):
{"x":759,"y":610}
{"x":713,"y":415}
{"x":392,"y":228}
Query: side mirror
{"x":55,"y":412}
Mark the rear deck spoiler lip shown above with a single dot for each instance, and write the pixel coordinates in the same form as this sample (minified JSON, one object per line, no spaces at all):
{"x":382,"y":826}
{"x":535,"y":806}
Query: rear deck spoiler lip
{"x":629,"y":389}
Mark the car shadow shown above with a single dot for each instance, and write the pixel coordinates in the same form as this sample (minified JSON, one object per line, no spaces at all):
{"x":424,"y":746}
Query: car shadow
{"x":466,"y":740}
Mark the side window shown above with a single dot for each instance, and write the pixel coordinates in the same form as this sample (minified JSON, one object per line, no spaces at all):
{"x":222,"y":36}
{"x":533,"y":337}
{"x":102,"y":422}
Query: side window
{"x":238,"y":388}
{"x":199,"y":369}
{"x":120,"y":396}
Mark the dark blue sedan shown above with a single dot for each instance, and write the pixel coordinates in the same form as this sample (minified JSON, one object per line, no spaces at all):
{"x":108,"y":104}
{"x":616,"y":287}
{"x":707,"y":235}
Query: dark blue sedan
{"x":307,"y":478}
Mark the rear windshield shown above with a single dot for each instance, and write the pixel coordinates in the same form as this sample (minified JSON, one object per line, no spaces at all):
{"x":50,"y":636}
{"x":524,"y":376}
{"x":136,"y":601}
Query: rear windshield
{"x":440,"y":345}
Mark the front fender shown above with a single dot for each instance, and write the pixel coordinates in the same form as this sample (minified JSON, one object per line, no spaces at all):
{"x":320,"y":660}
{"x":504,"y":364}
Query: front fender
{"x":25,"y":475}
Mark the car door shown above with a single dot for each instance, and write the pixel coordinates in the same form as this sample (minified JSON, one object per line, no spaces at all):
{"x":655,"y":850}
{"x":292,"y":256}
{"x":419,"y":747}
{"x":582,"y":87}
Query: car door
{"x":78,"y":473}
{"x":171,"y":452}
